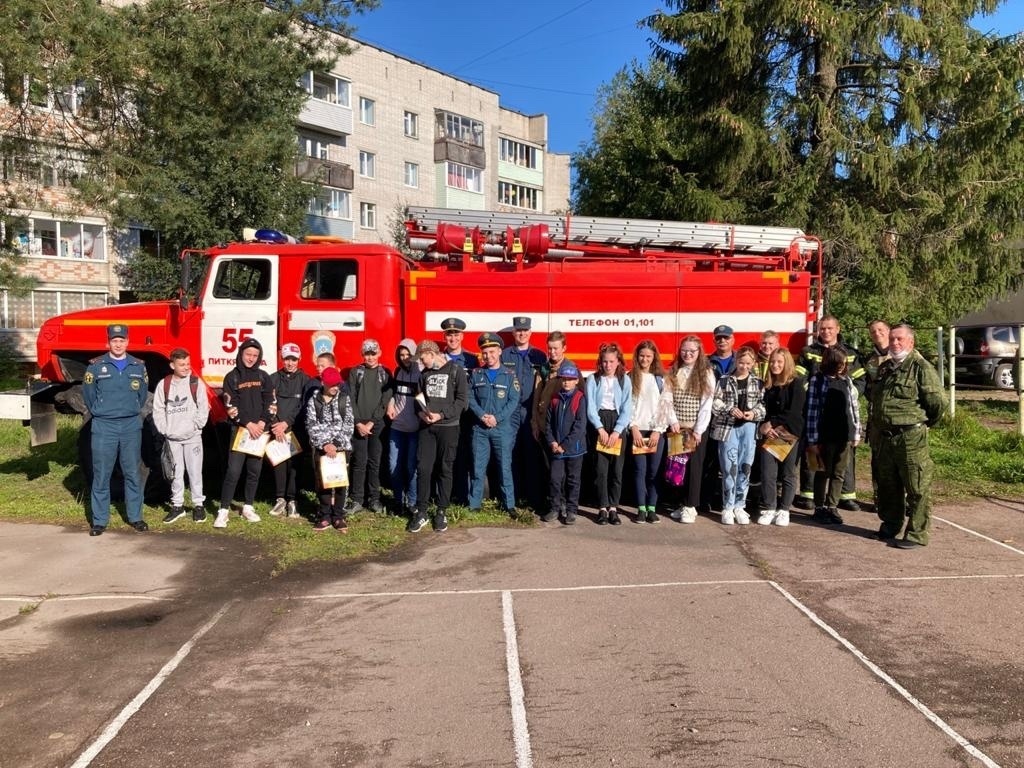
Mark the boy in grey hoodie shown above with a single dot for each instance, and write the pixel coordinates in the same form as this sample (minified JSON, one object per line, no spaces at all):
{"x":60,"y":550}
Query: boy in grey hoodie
{"x":180,"y":411}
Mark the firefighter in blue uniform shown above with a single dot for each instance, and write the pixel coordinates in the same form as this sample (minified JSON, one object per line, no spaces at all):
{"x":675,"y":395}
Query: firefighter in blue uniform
{"x":526,"y":362}
{"x":493,"y":402}
{"x":115,"y":389}
{"x":453,"y":328}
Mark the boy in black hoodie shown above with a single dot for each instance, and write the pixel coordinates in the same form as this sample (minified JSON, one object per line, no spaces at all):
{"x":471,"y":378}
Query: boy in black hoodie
{"x":248,"y":395}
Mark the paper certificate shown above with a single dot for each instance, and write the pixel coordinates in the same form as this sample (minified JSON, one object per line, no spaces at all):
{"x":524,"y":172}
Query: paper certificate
{"x":681,"y":442}
{"x":243,"y":443}
{"x":814,"y":463}
{"x":643,"y":447}
{"x":615,"y":450}
{"x":282,"y":450}
{"x":333,"y":471}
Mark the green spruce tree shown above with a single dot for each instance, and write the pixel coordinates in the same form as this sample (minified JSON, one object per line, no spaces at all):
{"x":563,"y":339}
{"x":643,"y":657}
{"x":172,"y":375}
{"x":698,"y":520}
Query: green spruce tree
{"x":892,"y":131}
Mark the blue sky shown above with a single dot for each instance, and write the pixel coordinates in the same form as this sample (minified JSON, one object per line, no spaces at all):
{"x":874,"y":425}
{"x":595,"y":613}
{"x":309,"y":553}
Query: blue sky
{"x":549,"y":57}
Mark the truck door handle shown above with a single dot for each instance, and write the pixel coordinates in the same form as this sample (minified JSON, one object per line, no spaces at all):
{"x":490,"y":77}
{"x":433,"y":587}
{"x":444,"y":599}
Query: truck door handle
{"x":264,"y":322}
{"x":352,"y":324}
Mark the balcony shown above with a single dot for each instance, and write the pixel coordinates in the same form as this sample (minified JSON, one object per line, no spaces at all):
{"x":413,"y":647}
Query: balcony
{"x":459,"y":152}
{"x":326,"y":172}
{"x":326,"y":116}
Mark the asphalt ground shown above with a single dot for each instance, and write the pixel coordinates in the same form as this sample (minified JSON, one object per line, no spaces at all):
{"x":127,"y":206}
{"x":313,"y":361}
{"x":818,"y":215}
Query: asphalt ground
{"x":638,"y":645}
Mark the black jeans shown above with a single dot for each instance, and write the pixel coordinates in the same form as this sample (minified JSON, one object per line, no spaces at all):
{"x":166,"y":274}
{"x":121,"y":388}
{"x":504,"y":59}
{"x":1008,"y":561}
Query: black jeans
{"x":565,"y":484}
{"x":366,"y":452}
{"x":607,"y":466}
{"x":435,"y":455}
{"x":253,"y":465}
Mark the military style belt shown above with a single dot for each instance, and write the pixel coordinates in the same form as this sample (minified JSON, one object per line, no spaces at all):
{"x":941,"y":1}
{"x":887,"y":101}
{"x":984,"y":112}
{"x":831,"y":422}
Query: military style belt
{"x":900,"y":429}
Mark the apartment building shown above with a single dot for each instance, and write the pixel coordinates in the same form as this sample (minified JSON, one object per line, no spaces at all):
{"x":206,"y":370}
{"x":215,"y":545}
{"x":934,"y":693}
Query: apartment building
{"x":382,"y":132}
{"x":379,"y":132}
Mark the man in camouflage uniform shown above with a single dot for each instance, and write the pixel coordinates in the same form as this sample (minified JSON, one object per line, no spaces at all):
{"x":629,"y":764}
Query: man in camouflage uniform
{"x":807,"y":366}
{"x":906,"y":400}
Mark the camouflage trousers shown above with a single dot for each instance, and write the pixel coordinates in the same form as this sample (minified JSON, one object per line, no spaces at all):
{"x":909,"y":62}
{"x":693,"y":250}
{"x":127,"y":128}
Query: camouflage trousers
{"x":902,"y":470}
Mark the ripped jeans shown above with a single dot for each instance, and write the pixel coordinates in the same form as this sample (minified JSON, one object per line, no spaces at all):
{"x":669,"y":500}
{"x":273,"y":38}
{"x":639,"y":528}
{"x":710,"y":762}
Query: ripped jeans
{"x":735,"y":456}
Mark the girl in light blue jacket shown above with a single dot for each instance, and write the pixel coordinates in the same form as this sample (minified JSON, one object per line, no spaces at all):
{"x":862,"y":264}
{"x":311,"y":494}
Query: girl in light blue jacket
{"x":609,"y":408}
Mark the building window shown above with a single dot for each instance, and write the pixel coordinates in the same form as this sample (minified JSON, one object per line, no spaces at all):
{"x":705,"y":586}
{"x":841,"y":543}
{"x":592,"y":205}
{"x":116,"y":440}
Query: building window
{"x":459,"y":128}
{"x":518,"y":153}
{"x":366,"y":110}
{"x":30,"y":311}
{"x":518,"y":196}
{"x":367,"y":164}
{"x":331,"y":203}
{"x":312,"y":147}
{"x":329,"y":88}
{"x":411,"y":123}
{"x":54,"y":238}
{"x":412,"y":175}
{"x":368,"y":215}
{"x":464,"y":177}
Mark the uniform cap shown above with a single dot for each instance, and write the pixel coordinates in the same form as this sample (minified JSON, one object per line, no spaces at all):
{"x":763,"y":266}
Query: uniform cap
{"x":722,"y":330}
{"x":331,"y":377}
{"x":568,"y":370}
{"x":488,"y":340}
{"x":290,"y":350}
{"x":371,"y":347}
{"x":452,"y":324}
{"x":521,"y":323}
{"x":117,"y":331}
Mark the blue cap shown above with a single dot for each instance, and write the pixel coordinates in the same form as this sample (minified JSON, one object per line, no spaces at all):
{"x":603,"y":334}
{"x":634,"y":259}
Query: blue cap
{"x":722,"y":330}
{"x":488,"y":340}
{"x":521,"y":323}
{"x":117,"y":331}
{"x":568,"y":370}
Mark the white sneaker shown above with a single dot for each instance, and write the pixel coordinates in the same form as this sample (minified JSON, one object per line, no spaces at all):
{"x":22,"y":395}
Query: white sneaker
{"x":222,"y":518}
{"x":688,"y":515}
{"x":728,"y":517}
{"x":250,"y":514}
{"x":742,"y":518}
{"x":676,"y":514}
{"x":293,"y":511}
{"x":766,"y":517}
{"x":278,"y":508}
{"x":782,"y":517}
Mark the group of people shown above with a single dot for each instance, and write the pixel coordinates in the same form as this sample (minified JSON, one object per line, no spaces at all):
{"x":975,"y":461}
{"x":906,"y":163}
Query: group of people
{"x":697,"y":433}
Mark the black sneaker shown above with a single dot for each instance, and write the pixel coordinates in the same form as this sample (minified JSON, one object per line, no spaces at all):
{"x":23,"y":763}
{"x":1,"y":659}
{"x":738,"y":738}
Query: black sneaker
{"x":97,"y":530}
{"x":804,"y":503}
{"x":570,"y":518}
{"x":832,"y":517}
{"x":415,"y":525}
{"x":176,"y":513}
{"x":652,"y":515}
{"x":602,"y":516}
{"x":139,"y":525}
{"x":613,"y":517}
{"x":198,"y":515}
{"x":440,"y":522}
{"x":375,"y":506}
{"x":849,"y":505}
{"x":550,"y":516}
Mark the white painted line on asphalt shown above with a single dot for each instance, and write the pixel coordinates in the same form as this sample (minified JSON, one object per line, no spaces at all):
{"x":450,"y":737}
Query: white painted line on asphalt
{"x":135,"y":704}
{"x":885,"y":677}
{"x":979,"y":535}
{"x":517,"y":697}
{"x":594,"y":587}
{"x":72,"y":598}
{"x":965,"y":577}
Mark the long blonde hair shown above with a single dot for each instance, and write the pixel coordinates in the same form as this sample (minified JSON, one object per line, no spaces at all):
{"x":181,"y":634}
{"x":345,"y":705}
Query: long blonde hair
{"x":788,"y":369}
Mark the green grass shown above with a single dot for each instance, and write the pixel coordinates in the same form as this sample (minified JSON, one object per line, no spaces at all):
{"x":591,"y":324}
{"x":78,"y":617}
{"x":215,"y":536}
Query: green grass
{"x":975,"y":459}
{"x":44,"y":485}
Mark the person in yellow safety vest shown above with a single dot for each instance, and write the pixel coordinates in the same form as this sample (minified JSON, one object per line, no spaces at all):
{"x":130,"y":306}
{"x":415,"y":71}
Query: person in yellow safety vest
{"x":808,"y":364}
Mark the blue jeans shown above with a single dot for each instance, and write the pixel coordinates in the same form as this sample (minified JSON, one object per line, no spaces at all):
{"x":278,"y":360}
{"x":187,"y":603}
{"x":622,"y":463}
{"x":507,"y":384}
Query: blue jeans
{"x":736,"y":455}
{"x":402,"y":466}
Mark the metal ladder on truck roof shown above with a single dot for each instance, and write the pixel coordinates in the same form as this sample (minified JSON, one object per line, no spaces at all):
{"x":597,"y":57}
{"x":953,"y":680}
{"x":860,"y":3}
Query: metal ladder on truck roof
{"x":632,"y":234}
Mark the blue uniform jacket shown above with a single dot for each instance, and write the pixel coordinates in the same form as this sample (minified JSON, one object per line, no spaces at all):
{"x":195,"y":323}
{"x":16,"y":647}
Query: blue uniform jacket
{"x":526,"y":369}
{"x":623,"y":402}
{"x":500,"y":399}
{"x":113,"y":394}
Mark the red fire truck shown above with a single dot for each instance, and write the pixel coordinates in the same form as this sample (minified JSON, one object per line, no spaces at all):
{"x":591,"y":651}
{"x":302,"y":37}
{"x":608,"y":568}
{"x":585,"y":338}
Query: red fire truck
{"x":595,"y":279}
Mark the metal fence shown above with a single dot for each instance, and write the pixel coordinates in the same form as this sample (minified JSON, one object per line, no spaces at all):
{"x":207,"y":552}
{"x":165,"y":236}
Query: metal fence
{"x":982,"y":357}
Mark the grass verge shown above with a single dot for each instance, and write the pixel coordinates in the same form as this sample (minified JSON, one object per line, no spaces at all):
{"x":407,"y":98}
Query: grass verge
{"x":44,"y":485}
